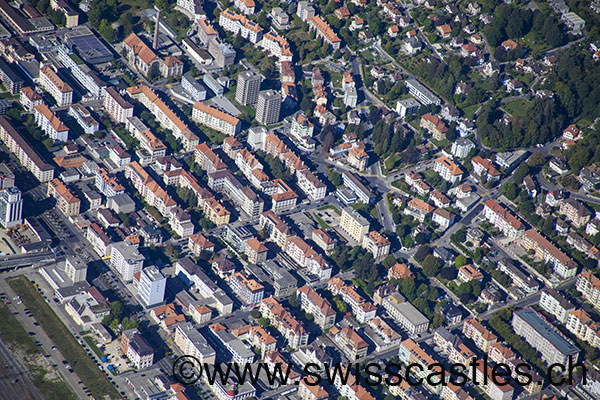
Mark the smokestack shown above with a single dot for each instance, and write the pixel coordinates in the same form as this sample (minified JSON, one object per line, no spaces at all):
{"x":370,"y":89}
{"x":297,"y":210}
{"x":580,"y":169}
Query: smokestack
{"x":155,"y":41}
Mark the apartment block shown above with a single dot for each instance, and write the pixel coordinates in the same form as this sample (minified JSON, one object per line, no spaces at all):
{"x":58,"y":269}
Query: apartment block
{"x":126,"y":259}
{"x":405,"y":314}
{"x":50,"y":123}
{"x":376,"y":244}
{"x":216,"y":119}
{"x":249,"y":290}
{"x":284,"y":322}
{"x":116,"y":106}
{"x":53,"y":84}
{"x":311,"y":302}
{"x":66,"y":201}
{"x":483,"y":337}
{"x":354,"y":224}
{"x":503,"y":219}
{"x":563,"y":266}
{"x":448,"y":169}
{"x":556,"y":305}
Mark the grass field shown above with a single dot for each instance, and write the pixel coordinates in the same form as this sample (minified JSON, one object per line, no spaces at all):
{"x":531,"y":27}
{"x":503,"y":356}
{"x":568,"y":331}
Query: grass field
{"x":71,"y":350}
{"x":13,"y":332}
{"x":515,"y":107}
{"x":330,"y":207}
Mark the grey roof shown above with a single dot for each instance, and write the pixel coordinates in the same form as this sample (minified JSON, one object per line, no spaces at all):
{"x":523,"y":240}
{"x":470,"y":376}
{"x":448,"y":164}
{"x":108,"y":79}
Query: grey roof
{"x":547,"y":330}
{"x":564,"y":303}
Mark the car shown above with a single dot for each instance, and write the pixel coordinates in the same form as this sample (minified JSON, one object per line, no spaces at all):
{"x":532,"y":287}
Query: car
{"x":54,"y":348}
{"x":7,"y":302}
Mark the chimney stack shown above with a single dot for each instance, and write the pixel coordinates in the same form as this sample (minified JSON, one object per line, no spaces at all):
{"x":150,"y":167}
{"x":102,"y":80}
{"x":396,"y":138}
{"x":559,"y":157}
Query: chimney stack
{"x":155,"y":41}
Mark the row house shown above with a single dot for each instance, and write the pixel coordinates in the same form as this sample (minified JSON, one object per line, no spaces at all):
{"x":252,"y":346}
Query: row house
{"x":216,"y":119}
{"x":284,"y":199}
{"x":277,"y":46}
{"x":275,"y":228}
{"x":311,"y":302}
{"x":575,"y":211}
{"x":164,"y":115}
{"x":53,"y":84}
{"x":284,"y":322}
{"x":503,"y":219}
{"x":492,"y":389}
{"x":589,"y":287}
{"x":183,"y":179}
{"x":448,"y":169}
{"x":386,"y":336}
{"x":243,"y":196}
{"x":235,"y":23}
{"x":483,"y":337}
{"x":50,"y":123}
{"x":312,"y":186}
{"x":66,"y":201}
{"x":149,"y":189}
{"x":248,"y":290}
{"x":99,"y":240}
{"x":305,"y":256}
{"x":562,"y":264}
{"x":361,"y":308}
{"x":484,"y":170}
{"x":411,"y":352}
{"x":116,"y":106}
{"x":583,"y":327}
{"x":261,"y":339}
{"x":207,"y":159}
{"x":350,"y":342}
{"x":325,"y":32}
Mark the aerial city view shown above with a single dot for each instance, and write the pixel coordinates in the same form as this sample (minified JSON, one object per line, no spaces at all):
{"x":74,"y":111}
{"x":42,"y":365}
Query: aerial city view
{"x":299,"y":200}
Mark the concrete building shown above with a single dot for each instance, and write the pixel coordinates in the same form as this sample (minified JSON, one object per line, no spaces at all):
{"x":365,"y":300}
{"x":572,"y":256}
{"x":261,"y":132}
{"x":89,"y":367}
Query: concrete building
{"x":354,"y":224}
{"x":405,"y":314}
{"x":11,"y":207}
{"x":152,"y":287}
{"x":116,"y":106}
{"x":216,"y":119}
{"x":126,"y":260}
{"x":544,"y":337}
{"x":248,"y":86}
{"x":58,"y":89}
{"x":49,"y":122}
{"x":192,"y":87}
{"x":268,"y":107}
{"x":556,"y":305}
{"x":421,"y":93}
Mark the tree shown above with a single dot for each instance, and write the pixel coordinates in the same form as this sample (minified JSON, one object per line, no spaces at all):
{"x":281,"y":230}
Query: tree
{"x":422,"y":252}
{"x":162,"y":4}
{"x":521,"y":172}
{"x":431,"y":265}
{"x":106,"y":30}
{"x":255,"y":314}
{"x":293,"y":300}
{"x":335,"y":178}
{"x":389,"y":261}
{"x":537,"y":159}
{"x":509,"y":189}
{"x":448,"y":273}
{"x":460,"y":261}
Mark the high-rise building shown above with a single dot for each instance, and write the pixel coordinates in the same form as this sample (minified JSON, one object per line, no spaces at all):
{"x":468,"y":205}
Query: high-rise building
{"x":248,"y":86}
{"x":269,"y":105}
{"x":75,"y":268}
{"x":152,"y":286}
{"x":11,"y":206}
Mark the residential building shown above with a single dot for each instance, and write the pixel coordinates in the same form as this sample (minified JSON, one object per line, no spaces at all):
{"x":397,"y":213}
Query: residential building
{"x":29,"y":98}
{"x":407,"y":106}
{"x":354,"y":224}
{"x":361,"y":308}
{"x":376,"y":244}
{"x":575,"y":211}
{"x":151,"y":290}
{"x":268,"y":107}
{"x":305,"y":11}
{"x":434,"y":125}
{"x":357,"y":187}
{"x":443,"y":218}
{"x":312,"y":186}
{"x":421,"y":93}
{"x":305,"y":256}
{"x":589,"y":287}
{"x":216,"y":119}
{"x":66,"y":201}
{"x":10,"y":77}
{"x":503,"y":219}
{"x":484,"y":170}
{"x":11,"y":207}
{"x":405,"y":314}
{"x":84,"y":119}
{"x":462,"y":147}
{"x":216,"y":212}
{"x":483,"y":337}
{"x":523,"y":280}
{"x":468,"y":273}
{"x":284,"y":322}
{"x":323,"y":240}
{"x":126,"y":259}
{"x":145,"y":60}
{"x":563,"y":266}
{"x":136,"y":348}
{"x":50,"y":123}
{"x":350,"y":342}
{"x":192,"y":87}
{"x":556,"y":305}
{"x":116,"y":106}
{"x":324,"y":31}
{"x":248,"y":290}
{"x":583,"y":327}
{"x":544,"y":337}
{"x":248,"y":86}
{"x":191,"y":342}
{"x":277,"y":46}
{"x":243,"y":196}
{"x":312,"y":303}
{"x":53,"y":84}
{"x":419,"y":209}
{"x":448,"y":169}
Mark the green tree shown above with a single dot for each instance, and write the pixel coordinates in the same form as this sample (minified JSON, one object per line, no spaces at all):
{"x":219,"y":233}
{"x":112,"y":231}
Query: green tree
{"x":460,"y":261}
{"x":521,"y":172}
{"x":162,"y":4}
{"x":431,"y":265}
{"x":106,"y":30}
{"x":335,"y":178}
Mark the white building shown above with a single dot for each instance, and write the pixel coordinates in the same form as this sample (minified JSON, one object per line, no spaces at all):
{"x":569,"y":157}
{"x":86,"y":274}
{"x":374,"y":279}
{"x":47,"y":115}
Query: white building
{"x":11,"y":207}
{"x":49,"y":122}
{"x":152,"y":287}
{"x":126,"y":260}
{"x":216,"y":119}
{"x":58,"y":89}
